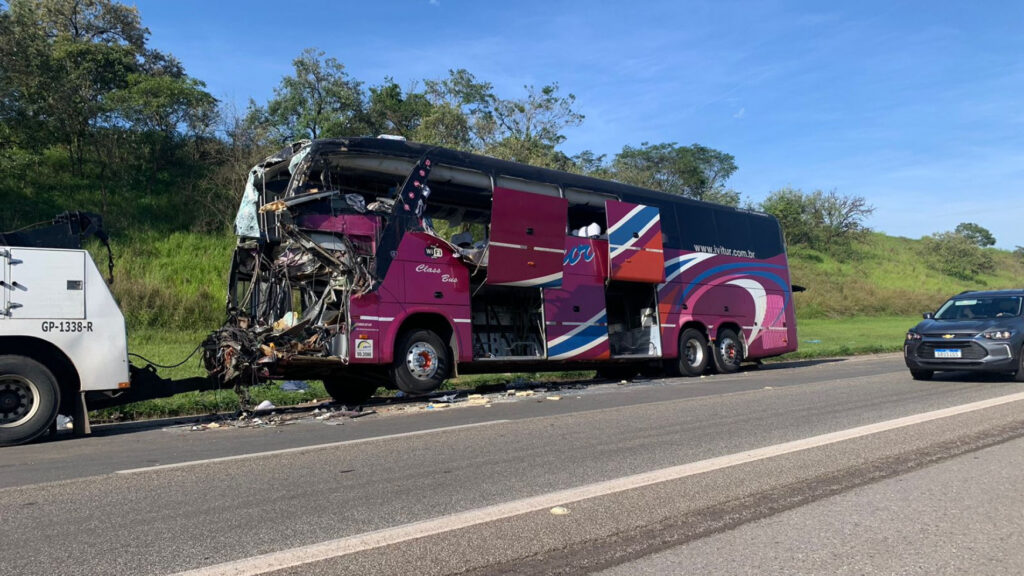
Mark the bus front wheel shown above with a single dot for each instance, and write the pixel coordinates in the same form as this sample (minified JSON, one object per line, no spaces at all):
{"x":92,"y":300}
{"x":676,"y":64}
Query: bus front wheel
{"x":28,"y":399}
{"x":351,"y":390}
{"x":728,"y":351}
{"x":422,"y":362}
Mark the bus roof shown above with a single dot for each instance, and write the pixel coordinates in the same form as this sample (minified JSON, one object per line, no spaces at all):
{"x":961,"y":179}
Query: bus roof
{"x":495,"y":167}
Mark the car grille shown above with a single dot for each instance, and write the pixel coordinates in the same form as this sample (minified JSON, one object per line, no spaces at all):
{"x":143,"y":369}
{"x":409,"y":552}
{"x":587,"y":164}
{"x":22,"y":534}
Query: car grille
{"x":956,"y":335}
{"x":970,"y":350}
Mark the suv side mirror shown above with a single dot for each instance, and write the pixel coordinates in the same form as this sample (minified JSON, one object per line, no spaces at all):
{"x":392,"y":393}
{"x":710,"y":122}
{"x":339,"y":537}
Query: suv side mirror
{"x":927,"y":315}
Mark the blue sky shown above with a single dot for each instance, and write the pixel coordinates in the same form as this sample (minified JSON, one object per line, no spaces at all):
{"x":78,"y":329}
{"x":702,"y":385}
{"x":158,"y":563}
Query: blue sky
{"x":917,"y":106}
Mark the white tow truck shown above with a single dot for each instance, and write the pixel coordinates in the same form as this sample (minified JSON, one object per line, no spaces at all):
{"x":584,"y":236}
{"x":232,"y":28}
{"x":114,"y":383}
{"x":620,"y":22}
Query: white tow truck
{"x":63,"y":345}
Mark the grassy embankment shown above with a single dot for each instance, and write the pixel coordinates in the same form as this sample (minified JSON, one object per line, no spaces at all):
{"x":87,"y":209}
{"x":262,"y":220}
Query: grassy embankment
{"x":172,"y":291}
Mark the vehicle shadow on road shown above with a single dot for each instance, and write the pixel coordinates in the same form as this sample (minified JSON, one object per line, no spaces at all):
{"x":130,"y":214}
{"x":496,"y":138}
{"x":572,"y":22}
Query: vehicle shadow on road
{"x":796,"y":363}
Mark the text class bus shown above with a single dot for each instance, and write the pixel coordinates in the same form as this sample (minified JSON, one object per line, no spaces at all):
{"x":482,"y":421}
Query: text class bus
{"x":371,"y":262}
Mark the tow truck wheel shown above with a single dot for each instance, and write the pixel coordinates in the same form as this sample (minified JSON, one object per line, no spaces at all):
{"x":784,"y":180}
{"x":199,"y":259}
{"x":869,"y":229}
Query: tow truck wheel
{"x":422,"y":362}
{"x":28,"y":399}
{"x":351,"y":390}
{"x":728,"y":352}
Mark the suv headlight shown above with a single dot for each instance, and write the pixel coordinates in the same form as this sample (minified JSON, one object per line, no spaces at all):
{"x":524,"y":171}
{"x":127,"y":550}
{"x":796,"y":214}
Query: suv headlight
{"x":997,"y":334}
{"x":913,"y":336}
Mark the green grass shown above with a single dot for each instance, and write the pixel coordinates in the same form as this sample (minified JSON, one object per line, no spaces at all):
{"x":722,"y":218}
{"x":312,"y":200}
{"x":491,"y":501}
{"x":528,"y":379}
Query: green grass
{"x":886,"y":276}
{"x":824,"y":337}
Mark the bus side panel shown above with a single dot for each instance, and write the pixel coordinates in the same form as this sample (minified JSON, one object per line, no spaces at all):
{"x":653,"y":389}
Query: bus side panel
{"x":368,"y":326}
{"x":425,"y":278}
{"x":714,"y":289}
{"x":527,"y":239}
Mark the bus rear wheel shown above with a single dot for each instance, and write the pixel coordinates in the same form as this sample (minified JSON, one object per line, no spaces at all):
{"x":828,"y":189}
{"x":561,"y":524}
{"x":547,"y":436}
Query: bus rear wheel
{"x":728,"y":351}
{"x":422,"y":362}
{"x":693,"y":353}
{"x":28,"y":399}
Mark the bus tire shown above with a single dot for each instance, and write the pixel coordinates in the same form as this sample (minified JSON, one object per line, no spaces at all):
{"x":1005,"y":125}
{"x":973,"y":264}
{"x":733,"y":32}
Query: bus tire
{"x":351,"y":390}
{"x":422,"y":362}
{"x":29,"y":397}
{"x":693,"y":353}
{"x":728,"y":351}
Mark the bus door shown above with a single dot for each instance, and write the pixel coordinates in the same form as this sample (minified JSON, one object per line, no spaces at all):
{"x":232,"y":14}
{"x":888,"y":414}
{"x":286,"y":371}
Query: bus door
{"x":524,"y":257}
{"x":527,"y":239}
{"x":636,"y":265}
{"x":576,"y":322}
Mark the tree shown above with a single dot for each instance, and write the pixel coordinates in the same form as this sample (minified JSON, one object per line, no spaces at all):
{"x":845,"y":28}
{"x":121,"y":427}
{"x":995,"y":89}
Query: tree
{"x":394,"y":111}
{"x":318,"y":101}
{"x":695,"y":171}
{"x":956,"y":255}
{"x":61,"y":59}
{"x":71,"y":70}
{"x":975,"y":233}
{"x":819,"y":220}
{"x":461,"y":116}
{"x":529,"y":129}
{"x":794,"y":213}
{"x":840,"y":218}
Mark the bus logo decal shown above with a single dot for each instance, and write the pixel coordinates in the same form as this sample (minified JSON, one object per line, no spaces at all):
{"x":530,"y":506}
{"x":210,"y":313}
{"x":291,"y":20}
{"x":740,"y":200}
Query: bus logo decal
{"x":573,"y":257}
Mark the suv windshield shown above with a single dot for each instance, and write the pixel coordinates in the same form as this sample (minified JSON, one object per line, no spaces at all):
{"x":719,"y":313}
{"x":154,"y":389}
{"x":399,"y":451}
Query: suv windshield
{"x":980,"y":307}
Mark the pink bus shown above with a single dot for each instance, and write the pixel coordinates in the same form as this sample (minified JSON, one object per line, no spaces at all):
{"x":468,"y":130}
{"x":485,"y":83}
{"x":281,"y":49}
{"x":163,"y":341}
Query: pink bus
{"x":378,"y":262}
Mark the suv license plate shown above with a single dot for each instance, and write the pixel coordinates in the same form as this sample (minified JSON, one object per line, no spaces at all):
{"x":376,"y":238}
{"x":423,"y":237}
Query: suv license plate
{"x":947,"y":352}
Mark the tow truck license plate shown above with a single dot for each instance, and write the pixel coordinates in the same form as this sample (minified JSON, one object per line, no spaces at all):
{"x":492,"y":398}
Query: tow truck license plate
{"x":947,"y":353}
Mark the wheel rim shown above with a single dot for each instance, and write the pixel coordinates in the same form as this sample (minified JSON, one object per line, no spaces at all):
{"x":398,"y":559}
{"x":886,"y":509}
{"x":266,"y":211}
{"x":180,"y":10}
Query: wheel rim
{"x":730,"y":351}
{"x":694,"y":353}
{"x":18,"y":400}
{"x":421,"y":360}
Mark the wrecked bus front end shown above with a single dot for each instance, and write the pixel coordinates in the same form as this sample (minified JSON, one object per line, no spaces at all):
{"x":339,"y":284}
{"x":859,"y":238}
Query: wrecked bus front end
{"x":309,"y":228}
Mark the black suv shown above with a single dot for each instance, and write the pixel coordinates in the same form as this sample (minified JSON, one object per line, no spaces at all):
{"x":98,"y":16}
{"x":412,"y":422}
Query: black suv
{"x":978,"y":331}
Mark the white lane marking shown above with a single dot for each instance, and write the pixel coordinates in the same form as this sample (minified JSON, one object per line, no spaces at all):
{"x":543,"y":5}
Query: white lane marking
{"x":305,"y":448}
{"x":385,"y":537}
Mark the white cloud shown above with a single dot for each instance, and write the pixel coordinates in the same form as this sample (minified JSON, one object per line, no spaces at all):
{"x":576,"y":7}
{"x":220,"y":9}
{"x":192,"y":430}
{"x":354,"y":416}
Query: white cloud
{"x":740,"y":114}
{"x":435,"y":2}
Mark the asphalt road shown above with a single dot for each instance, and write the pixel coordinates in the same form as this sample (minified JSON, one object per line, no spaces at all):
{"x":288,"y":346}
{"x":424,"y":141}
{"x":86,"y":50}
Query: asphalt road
{"x":817,"y":467}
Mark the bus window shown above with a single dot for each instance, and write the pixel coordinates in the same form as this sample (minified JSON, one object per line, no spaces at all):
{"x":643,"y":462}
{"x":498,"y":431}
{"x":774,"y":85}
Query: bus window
{"x":734,"y":232}
{"x":669,"y":225}
{"x":766,"y":235}
{"x":586,"y":213}
{"x":697,"y":228}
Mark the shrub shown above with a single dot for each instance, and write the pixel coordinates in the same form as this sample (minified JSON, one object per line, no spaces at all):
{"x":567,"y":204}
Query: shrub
{"x":956,"y":255}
